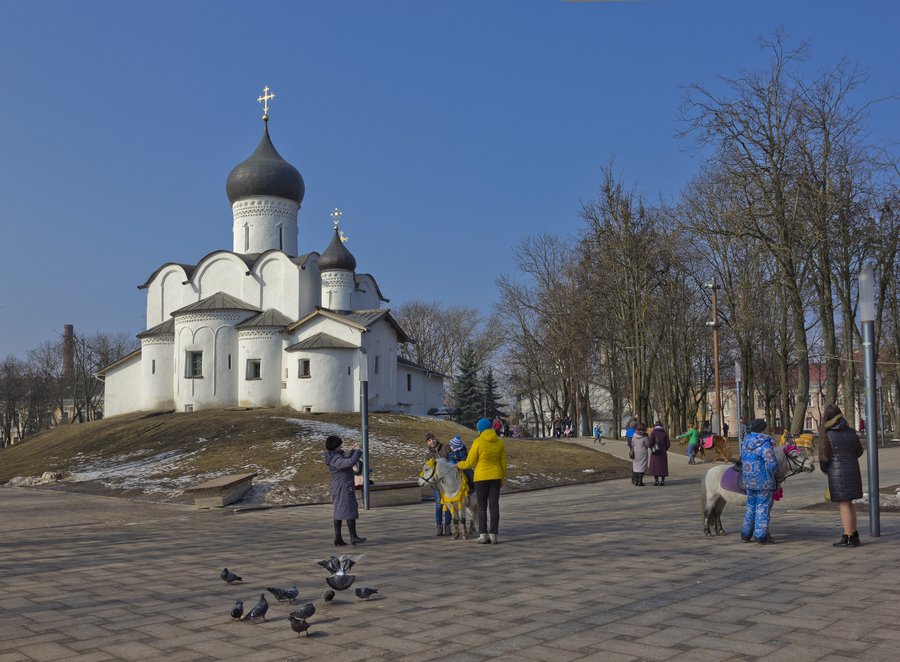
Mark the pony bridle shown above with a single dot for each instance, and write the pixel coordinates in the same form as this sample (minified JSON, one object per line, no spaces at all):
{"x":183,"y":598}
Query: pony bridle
{"x":432,"y":477}
{"x":791,"y":462}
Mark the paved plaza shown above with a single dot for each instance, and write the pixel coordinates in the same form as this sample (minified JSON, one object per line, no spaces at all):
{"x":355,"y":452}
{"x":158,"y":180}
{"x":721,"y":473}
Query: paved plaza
{"x":604,"y":571}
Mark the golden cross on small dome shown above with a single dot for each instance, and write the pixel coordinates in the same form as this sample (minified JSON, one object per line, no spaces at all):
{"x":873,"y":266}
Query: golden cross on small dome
{"x":343,"y":238}
{"x":265,"y":98}
{"x":336,"y":216}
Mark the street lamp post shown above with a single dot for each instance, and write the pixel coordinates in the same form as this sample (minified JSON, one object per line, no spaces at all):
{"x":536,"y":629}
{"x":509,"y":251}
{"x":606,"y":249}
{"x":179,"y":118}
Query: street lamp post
{"x":364,"y":412}
{"x":717,"y":426}
{"x":867,"y":317}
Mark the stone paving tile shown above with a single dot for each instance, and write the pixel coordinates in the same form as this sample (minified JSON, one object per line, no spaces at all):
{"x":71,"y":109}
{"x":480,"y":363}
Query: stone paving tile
{"x":579,"y":576}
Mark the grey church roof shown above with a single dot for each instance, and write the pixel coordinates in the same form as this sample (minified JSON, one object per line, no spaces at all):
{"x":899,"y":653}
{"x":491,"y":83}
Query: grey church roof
{"x":166,"y":328}
{"x":336,"y":256}
{"x":269,"y":317}
{"x":360,"y":319}
{"x":321,"y":341}
{"x":218,"y":301}
{"x":265,"y":173}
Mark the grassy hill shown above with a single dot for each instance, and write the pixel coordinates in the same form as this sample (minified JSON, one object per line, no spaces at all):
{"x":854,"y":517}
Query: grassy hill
{"x":156,"y":455}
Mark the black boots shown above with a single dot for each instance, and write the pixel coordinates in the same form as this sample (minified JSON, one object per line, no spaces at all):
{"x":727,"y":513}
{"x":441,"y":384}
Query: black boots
{"x":656,"y":481}
{"x":848,"y":541}
{"x":354,"y":539}
{"x":338,"y":540}
{"x":639,"y":479}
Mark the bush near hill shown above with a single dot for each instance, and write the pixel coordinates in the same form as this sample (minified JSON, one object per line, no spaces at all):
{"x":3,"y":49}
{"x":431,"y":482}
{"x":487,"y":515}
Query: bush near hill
{"x":156,"y":455}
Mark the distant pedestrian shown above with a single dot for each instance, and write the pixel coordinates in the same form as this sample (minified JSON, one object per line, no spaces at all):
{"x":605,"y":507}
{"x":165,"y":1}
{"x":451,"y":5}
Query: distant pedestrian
{"x":629,"y":432}
{"x":659,"y":462}
{"x":342,"y":493}
{"x":725,"y":429}
{"x":557,"y":427}
{"x":598,"y":434}
{"x":488,"y":457}
{"x":693,"y":441}
{"x":505,"y":427}
{"x":497,"y":425}
{"x":759,"y":470}
{"x":640,"y":445}
{"x":839,"y":453}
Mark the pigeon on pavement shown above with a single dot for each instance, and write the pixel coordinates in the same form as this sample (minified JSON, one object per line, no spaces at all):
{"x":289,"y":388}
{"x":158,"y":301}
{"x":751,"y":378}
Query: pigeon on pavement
{"x":328,"y":596}
{"x":336,"y":564}
{"x":304,"y":612}
{"x":277,"y":592}
{"x":365,"y":593}
{"x":298,"y":625}
{"x":229,"y":577}
{"x":259,"y":611}
{"x":340,"y":581}
{"x":291,"y":594}
{"x":237,"y":610}
{"x":339,"y":566}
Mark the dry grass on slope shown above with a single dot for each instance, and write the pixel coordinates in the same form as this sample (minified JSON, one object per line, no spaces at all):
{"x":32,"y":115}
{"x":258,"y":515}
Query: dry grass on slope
{"x":157,"y":455}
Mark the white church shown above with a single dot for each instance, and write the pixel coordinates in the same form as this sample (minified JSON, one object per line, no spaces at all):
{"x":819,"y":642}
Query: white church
{"x":263,"y":325}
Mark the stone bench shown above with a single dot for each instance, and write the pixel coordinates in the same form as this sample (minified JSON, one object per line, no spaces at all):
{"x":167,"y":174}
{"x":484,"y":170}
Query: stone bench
{"x":392,"y":493}
{"x":221,"y":491}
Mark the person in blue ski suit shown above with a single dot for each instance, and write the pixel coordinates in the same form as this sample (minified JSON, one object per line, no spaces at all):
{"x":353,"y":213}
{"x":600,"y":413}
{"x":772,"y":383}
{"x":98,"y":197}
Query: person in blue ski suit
{"x":759,"y":470}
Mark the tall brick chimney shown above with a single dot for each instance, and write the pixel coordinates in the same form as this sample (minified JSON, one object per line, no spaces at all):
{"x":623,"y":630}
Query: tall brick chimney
{"x":69,"y":351}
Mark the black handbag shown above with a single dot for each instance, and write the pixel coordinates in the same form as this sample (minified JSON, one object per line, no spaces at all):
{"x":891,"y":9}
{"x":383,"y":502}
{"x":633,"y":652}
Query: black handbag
{"x":655,"y":448}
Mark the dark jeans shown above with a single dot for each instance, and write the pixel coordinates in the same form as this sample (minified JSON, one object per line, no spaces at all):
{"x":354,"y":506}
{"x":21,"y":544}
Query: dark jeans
{"x":438,"y":508}
{"x":488,"y":494}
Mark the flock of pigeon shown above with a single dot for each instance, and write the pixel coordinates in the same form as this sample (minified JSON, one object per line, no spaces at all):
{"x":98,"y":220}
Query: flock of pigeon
{"x":339,"y":580}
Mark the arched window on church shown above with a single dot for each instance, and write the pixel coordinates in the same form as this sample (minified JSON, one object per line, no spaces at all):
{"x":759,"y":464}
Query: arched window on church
{"x":280,"y":237}
{"x":246,"y":237}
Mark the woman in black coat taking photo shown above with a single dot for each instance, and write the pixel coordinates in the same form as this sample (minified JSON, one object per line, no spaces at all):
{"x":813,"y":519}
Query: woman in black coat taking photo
{"x":343,"y":495}
{"x":839,"y":453}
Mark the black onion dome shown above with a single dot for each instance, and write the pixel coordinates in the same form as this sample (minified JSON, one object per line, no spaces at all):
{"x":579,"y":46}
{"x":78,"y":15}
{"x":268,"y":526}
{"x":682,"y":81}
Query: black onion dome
{"x":265,"y":173}
{"x":336,"y":256}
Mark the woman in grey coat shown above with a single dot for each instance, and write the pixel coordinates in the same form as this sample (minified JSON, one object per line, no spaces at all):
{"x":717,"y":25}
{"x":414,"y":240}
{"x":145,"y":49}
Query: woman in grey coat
{"x":640,"y":442}
{"x":839,"y":453}
{"x":343,"y":495}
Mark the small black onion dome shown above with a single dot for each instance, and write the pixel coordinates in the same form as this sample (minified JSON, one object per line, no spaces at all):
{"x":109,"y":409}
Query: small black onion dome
{"x":265,"y":173}
{"x":336,"y":256}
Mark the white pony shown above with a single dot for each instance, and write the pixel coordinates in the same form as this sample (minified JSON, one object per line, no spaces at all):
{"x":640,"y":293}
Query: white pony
{"x":447,"y":479}
{"x":718,"y":486}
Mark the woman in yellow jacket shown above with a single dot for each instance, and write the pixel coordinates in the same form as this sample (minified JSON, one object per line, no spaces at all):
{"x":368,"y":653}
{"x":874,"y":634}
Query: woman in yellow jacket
{"x":488,"y":456}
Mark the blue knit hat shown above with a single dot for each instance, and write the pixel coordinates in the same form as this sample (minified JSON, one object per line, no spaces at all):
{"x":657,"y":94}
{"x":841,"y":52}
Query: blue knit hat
{"x":456,"y":443}
{"x":484,"y":424}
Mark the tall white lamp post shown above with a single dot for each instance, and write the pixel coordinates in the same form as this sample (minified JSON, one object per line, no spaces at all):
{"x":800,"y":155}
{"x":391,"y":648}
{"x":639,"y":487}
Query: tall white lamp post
{"x":867,"y":317}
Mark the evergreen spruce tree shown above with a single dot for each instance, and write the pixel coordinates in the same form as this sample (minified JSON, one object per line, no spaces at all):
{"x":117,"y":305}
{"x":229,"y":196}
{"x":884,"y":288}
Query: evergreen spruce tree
{"x":466,"y":391}
{"x":490,"y":406}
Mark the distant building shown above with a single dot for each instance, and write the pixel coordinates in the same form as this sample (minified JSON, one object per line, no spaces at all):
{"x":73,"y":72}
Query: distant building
{"x":262,"y":324}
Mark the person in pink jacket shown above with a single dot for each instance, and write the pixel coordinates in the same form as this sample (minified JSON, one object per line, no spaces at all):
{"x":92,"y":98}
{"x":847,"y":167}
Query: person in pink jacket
{"x":488,"y":457}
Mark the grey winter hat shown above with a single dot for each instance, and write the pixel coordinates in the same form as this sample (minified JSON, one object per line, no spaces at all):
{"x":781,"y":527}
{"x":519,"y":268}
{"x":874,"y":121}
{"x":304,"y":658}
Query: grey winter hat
{"x":758,"y":425}
{"x":333,"y":443}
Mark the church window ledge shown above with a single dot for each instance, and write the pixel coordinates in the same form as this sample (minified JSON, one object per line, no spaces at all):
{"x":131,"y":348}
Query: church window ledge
{"x":304,"y":369}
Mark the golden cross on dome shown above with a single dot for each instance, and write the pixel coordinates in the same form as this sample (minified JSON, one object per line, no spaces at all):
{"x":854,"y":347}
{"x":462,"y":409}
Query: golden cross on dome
{"x":343,"y":238}
{"x":265,"y":98}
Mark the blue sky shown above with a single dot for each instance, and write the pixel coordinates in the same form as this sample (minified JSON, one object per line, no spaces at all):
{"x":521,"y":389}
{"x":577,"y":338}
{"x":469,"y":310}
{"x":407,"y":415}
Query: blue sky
{"x":444,"y":131}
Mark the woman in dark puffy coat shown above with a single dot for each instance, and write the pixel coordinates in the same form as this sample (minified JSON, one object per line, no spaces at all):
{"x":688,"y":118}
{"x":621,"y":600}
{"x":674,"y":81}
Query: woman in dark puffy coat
{"x":839,"y":453}
{"x":343,"y":495}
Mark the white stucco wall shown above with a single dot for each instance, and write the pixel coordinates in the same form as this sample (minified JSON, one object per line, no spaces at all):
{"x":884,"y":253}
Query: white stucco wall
{"x":123,"y":388}
{"x":332,"y":385}
{"x":158,"y":354}
{"x":263,"y":345}
{"x":337,"y":289}
{"x":366,"y":297}
{"x":258,"y":221}
{"x":212,"y":333}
